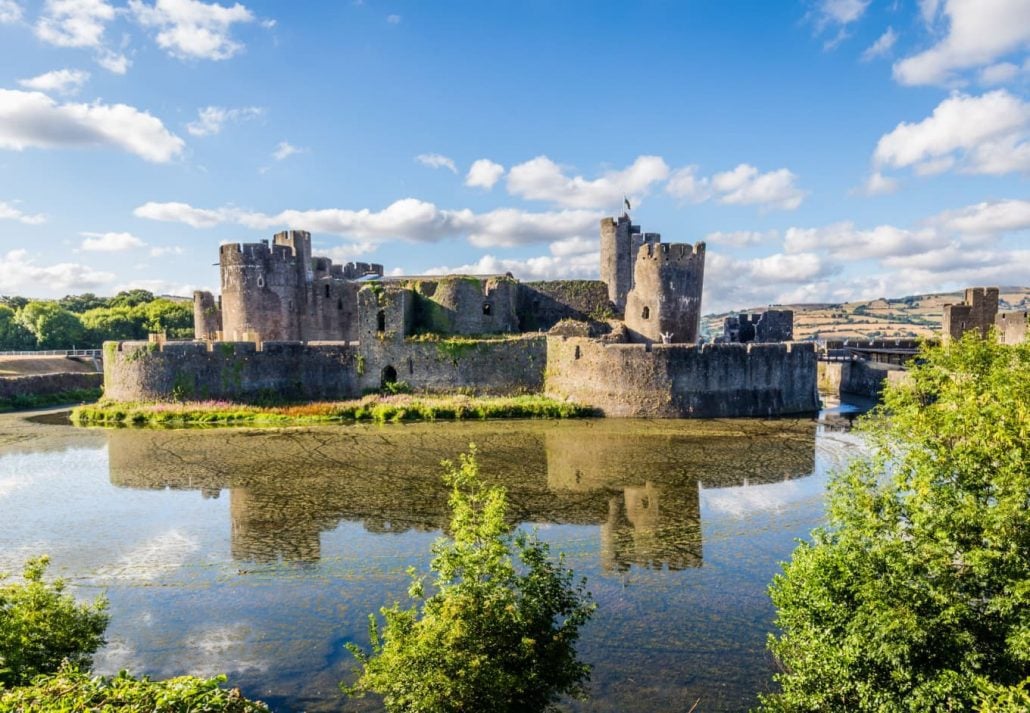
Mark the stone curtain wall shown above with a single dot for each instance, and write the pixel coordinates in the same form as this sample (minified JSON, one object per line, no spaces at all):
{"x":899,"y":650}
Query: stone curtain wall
{"x":12,"y":387}
{"x":672,"y":381}
{"x":541,"y":305}
{"x":315,"y":371}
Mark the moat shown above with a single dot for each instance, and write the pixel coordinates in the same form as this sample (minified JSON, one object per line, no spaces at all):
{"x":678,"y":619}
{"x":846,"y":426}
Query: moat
{"x":260,"y":552}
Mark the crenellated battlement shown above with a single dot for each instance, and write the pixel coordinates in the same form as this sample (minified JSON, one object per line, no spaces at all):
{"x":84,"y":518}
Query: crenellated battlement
{"x":672,"y":252}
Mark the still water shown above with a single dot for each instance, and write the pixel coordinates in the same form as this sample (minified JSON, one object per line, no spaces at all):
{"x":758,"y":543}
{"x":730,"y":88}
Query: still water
{"x":260,"y":552}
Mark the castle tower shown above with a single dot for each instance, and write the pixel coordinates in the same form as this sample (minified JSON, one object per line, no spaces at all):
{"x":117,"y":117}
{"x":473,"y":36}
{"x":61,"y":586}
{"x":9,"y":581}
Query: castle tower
{"x":207,"y":316}
{"x":263,"y":291}
{"x":620,"y":243}
{"x":666,"y":295}
{"x":300,"y":242}
{"x":977,"y":313}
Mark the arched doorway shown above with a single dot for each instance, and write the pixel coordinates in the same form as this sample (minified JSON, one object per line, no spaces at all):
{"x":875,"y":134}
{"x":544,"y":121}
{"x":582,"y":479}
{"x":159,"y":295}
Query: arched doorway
{"x":389,"y":376}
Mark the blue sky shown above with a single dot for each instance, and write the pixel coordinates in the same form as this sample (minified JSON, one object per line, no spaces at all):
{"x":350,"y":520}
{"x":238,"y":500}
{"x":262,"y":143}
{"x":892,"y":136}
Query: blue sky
{"x":826,"y":150}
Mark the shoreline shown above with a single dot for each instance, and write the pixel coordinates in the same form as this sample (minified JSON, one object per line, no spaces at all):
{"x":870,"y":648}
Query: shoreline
{"x":370,"y":409}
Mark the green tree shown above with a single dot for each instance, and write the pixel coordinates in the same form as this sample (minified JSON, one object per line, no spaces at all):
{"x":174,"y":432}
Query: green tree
{"x":12,"y":334}
{"x":81,"y":303}
{"x":112,"y":323}
{"x":131,"y":298}
{"x":916,"y":594}
{"x":41,"y":626}
{"x":72,"y":690}
{"x":52,"y":326}
{"x":499,"y":632}
{"x":162,"y":315}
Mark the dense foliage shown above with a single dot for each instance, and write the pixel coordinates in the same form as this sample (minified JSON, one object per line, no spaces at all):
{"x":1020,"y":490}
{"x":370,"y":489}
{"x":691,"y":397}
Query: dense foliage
{"x":41,"y":626}
{"x":70,"y":691}
{"x":499,"y":631}
{"x":86,"y":321}
{"x":916,"y":595}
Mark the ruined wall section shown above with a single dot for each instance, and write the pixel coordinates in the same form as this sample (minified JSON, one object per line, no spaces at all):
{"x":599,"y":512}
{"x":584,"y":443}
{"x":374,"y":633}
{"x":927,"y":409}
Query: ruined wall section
{"x":684,"y":381}
{"x":620,"y":243}
{"x":774,"y":325}
{"x":541,"y":305}
{"x":1012,"y":327}
{"x":666,"y":296}
{"x":236,"y":371}
{"x":976,"y":313}
{"x":465,"y":305}
{"x":207,"y":315}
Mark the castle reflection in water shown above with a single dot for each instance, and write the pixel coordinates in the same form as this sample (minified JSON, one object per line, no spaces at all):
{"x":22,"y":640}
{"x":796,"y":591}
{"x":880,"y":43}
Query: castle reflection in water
{"x":640,"y":486}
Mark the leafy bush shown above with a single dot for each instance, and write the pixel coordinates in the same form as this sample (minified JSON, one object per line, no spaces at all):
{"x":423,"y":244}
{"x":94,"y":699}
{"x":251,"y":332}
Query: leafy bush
{"x":41,"y":626}
{"x":499,"y":632}
{"x":72,"y":690}
{"x":916,"y":595}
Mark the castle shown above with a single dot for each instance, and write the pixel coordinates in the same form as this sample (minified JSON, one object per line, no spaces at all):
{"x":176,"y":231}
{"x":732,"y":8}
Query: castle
{"x":978,"y":313}
{"x":292,"y":326}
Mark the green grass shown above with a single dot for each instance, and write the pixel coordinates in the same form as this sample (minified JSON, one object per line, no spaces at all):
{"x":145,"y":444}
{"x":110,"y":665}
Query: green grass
{"x":31,"y":401}
{"x":373,"y":409}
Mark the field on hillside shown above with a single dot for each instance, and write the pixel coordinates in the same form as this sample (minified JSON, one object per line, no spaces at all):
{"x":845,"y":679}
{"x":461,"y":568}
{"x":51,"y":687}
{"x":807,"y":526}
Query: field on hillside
{"x":884,"y":318}
{"x":27,"y":365}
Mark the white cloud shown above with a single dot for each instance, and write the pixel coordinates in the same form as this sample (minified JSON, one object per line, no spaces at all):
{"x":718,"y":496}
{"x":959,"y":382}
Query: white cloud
{"x":110,"y":242}
{"x":543,"y":180}
{"x":34,"y":120}
{"x":484,"y":173}
{"x":190,"y":29}
{"x":74,"y":23}
{"x":741,"y":238}
{"x":113,"y":62}
{"x":407,"y":219}
{"x":985,"y":134}
{"x":284,"y":150}
{"x":161,"y":251}
{"x":882,"y":45}
{"x":393,"y":19}
{"x":1000,"y":73}
{"x":435,"y":160}
{"x":878,"y":184}
{"x":19,"y":272}
{"x":733,"y":284}
{"x":181,"y":213}
{"x":840,"y":12}
{"x":544,"y":267}
{"x":10,"y":12}
{"x":573,"y":246}
{"x":62,"y":81}
{"x":844,"y":241}
{"x":10,"y":212}
{"x":980,"y":31}
{"x":161,"y":287}
{"x":744,"y":185}
{"x":986,"y":219}
{"x":211,"y":119}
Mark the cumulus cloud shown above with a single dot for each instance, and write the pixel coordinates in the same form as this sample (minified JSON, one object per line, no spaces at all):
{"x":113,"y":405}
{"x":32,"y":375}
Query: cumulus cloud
{"x":10,"y":12}
{"x":544,"y":267}
{"x":190,"y":29}
{"x":844,"y":241}
{"x":542,"y":179}
{"x":211,"y":119}
{"x":743,"y":185}
{"x":836,"y":15}
{"x":9,"y":211}
{"x":484,"y":173}
{"x":407,"y":219}
{"x":285,"y":149}
{"x":732,"y":283}
{"x":977,"y":134}
{"x":62,"y":81}
{"x":18,"y":271}
{"x":573,"y":246}
{"x":878,"y":184}
{"x":113,"y":62}
{"x":882,"y":45}
{"x":741,"y":238}
{"x":979,"y":32}
{"x":74,"y":23}
{"x":34,"y":120}
{"x":161,"y":251}
{"x":986,"y":219}
{"x":110,"y":242}
{"x":435,"y":160}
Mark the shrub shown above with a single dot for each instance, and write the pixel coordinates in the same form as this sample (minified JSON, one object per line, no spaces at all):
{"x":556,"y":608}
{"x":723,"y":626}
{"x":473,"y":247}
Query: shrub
{"x":916,"y":595}
{"x":72,"y":690}
{"x":41,"y":626}
{"x":498,"y":633}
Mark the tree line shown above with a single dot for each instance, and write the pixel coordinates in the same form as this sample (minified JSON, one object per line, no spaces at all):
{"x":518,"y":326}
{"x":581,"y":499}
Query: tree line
{"x":86,"y":321}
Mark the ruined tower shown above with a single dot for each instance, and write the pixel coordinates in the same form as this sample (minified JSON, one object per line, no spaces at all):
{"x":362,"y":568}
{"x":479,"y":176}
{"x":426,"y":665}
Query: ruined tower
{"x":666,"y":294}
{"x":977,"y":313}
{"x":620,"y":243}
{"x":207,"y":316}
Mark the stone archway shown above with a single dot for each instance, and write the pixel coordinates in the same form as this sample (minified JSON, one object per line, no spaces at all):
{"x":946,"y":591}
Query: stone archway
{"x":389,"y":376}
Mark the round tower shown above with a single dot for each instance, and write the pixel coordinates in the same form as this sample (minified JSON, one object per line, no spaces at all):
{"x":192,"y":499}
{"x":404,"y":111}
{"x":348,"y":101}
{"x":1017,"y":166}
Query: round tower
{"x":665,"y":302}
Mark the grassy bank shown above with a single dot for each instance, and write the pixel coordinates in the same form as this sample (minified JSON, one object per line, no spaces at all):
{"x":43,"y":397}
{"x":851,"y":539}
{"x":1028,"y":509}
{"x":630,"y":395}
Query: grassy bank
{"x":31,"y":401}
{"x":374,"y":409}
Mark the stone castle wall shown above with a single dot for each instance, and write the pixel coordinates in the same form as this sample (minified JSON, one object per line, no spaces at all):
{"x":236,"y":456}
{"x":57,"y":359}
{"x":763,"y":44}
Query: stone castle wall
{"x":1012,"y":327}
{"x":541,"y":305}
{"x":975,"y":314}
{"x":669,"y":380}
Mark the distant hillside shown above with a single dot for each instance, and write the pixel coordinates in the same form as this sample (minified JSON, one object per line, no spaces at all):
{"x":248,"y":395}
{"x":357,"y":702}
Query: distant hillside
{"x":912,"y":316}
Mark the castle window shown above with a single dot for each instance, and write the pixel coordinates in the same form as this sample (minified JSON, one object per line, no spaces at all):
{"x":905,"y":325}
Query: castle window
{"x":260,"y":281}
{"x":577,"y":353}
{"x":486,"y":308}
{"x":411,"y":365}
{"x":381,"y":321}
{"x":339,"y":304}
{"x":327,"y":290}
{"x":646,"y":314}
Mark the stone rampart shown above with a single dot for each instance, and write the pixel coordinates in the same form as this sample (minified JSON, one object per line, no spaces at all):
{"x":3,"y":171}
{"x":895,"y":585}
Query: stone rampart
{"x":684,"y":381}
{"x":541,"y":305}
{"x":867,"y":378}
{"x":142,"y":371}
{"x":13,"y":387}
